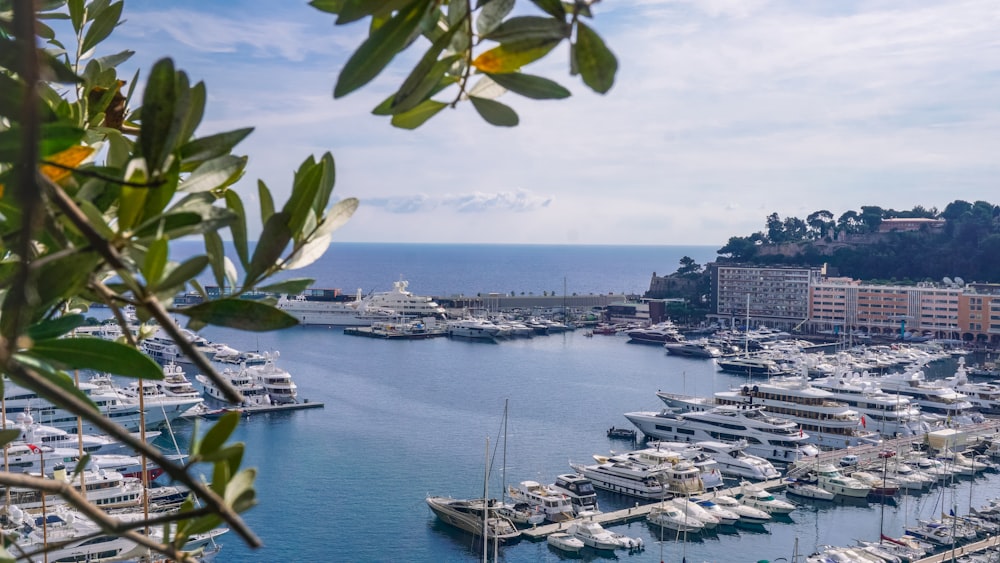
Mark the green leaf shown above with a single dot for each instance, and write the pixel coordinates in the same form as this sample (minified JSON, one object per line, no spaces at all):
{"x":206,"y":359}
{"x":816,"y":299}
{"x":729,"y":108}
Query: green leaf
{"x":241,"y":314}
{"x":304,"y":192}
{"x":231,"y":455}
{"x":157,"y":136}
{"x":8,"y":436}
{"x":155,"y":262}
{"x":553,"y":7}
{"x":428,"y":87}
{"x":266,"y":201}
{"x":206,"y":148}
{"x":112,"y":61}
{"x":492,"y":14}
{"x":494,"y":112}
{"x":187,"y":270}
{"x":213,"y":174}
{"x":380,"y":47}
{"x":596,"y":63}
{"x":509,"y":57}
{"x":421,"y":79}
{"x":329,"y":6}
{"x":216,"y":255}
{"x":526,"y":28}
{"x":58,"y":378}
{"x":219,"y":433}
{"x":288,"y":287}
{"x":102,"y":26}
{"x":96,"y":354}
{"x":76,"y":14}
{"x":273,"y":240}
{"x":326,"y":182}
{"x":54,"y":328}
{"x":530,"y":86}
{"x":194,"y":114}
{"x":418,"y":115}
{"x":239,"y":227}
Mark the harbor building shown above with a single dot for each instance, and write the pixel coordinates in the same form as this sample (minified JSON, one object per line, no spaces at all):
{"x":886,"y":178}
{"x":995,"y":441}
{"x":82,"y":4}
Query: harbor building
{"x":777,"y":296}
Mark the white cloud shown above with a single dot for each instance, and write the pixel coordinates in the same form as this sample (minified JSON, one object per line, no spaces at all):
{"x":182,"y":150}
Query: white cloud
{"x":723,"y":112}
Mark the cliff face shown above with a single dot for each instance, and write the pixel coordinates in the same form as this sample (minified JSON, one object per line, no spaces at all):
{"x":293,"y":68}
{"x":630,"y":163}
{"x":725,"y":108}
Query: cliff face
{"x":662,"y":287}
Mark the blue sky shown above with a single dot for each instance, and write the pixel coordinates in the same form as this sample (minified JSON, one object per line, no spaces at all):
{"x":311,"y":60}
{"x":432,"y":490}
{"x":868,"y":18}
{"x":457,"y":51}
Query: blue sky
{"x":723,"y":112}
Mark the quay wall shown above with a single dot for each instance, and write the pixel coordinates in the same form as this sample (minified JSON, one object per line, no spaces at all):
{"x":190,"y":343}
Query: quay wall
{"x":510,"y":302}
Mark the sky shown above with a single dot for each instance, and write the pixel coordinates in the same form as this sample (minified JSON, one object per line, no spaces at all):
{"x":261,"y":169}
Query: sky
{"x":722,"y":112}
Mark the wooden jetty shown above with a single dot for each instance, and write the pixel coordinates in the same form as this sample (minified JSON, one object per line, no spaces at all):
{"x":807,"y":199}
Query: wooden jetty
{"x":952,"y":554}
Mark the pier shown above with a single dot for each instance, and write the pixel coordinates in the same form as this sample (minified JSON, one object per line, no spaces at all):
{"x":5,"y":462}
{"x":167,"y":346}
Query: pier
{"x":205,"y":412}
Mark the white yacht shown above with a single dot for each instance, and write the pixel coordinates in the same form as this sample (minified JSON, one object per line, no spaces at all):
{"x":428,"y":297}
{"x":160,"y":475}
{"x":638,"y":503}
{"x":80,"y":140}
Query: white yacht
{"x":671,"y":453}
{"x":657,"y":334}
{"x":830,"y":423}
{"x":336,"y":312}
{"x":734,"y":461}
{"x":556,"y":506}
{"x":771,"y":437}
{"x":473,"y":328}
{"x":829,"y":478}
{"x":277,"y":382}
{"x":405,"y":303}
{"x":757,"y":497}
{"x":111,"y":401}
{"x":668,"y":516}
{"x":932,"y":397}
{"x":637,"y":479}
{"x":749,"y":366}
{"x":890,"y":414}
{"x":985,"y":396}
{"x":153,"y":396}
{"x":580,"y":491}
{"x":253,"y":392}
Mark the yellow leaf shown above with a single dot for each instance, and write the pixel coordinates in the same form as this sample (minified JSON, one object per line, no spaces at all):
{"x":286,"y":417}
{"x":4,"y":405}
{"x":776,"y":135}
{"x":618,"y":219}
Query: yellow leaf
{"x":69,"y":158}
{"x":510,"y":57}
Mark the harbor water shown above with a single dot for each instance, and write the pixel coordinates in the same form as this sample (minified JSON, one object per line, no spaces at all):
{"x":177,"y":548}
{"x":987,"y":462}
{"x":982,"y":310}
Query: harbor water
{"x":408,"y":419}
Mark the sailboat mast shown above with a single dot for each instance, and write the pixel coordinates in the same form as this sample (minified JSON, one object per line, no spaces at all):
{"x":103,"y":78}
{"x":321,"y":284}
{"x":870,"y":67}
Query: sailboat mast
{"x":486,"y":503}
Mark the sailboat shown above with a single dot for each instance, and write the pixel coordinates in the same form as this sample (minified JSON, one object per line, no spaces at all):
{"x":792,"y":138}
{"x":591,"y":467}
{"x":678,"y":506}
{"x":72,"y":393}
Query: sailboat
{"x":478,"y":516}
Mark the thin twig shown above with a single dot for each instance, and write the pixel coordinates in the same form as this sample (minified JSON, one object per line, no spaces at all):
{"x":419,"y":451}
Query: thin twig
{"x":94,"y":174}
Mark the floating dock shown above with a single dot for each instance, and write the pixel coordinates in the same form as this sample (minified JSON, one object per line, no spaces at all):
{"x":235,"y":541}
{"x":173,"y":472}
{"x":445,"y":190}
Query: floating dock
{"x":371,"y":332}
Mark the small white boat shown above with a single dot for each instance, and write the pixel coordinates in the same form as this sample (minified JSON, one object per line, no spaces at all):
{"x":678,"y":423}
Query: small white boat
{"x":594,"y":535}
{"x":693,"y":510}
{"x":565,"y":542}
{"x":747,"y":514}
{"x":757,"y":497}
{"x":808,"y":490}
{"x":726,"y":517}
{"x":671,"y":517}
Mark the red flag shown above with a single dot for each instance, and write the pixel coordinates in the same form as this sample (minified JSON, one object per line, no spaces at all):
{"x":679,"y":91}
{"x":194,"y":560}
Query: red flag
{"x":863,"y":424}
{"x":800,"y":431}
{"x":34,"y":449}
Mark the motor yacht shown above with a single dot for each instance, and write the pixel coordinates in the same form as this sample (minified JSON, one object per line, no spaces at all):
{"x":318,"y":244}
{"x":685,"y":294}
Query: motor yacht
{"x":693,"y":349}
{"x":633,"y":478}
{"x":891,"y":414}
{"x":668,"y":516}
{"x":932,"y":397}
{"x":656,"y":334}
{"x":747,"y":514}
{"x":338,"y":311}
{"x":831,"y":479}
{"x":580,"y":491}
{"x":759,"y":498}
{"x":594,"y":535}
{"x":696,"y":511}
{"x":556,"y":506}
{"x":734,"y":461}
{"x":277,"y":382}
{"x":774,"y":438}
{"x":403,"y":302}
{"x":469,"y":515}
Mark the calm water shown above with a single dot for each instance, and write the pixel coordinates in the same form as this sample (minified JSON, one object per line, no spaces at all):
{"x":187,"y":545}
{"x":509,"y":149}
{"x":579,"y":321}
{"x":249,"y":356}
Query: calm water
{"x":406,"y":419}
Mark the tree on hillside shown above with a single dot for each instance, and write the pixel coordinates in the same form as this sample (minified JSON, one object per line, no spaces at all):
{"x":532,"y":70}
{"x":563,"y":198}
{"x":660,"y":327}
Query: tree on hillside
{"x":97,"y":182}
{"x":849,"y":222}
{"x":819,"y":223}
{"x":871,"y":217}
{"x":688,"y":266}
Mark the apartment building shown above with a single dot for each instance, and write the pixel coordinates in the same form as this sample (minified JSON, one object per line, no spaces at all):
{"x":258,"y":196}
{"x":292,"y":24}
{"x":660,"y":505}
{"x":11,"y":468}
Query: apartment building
{"x":775,"y":296}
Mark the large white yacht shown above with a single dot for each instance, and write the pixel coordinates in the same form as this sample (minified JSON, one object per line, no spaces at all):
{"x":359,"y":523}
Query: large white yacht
{"x":771,"y":437}
{"x":337,"y":312}
{"x":985,"y":396}
{"x":111,"y":401}
{"x":830,"y":423}
{"x":890,"y":414}
{"x":404,"y":302}
{"x":276,"y":381}
{"x":933,"y":397}
{"x":637,"y":479}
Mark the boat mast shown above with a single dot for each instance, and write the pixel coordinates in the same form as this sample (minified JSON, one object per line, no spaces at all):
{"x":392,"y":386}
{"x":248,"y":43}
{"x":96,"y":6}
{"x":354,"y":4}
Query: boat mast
{"x":486,"y":503}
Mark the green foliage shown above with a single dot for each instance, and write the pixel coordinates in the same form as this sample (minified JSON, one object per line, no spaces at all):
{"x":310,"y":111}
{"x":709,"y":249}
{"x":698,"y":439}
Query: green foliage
{"x":73,"y":217}
{"x":966,"y":246}
{"x":465,"y":41}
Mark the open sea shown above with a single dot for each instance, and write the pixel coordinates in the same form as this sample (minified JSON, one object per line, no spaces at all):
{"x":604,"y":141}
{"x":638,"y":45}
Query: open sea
{"x":407,"y":419}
